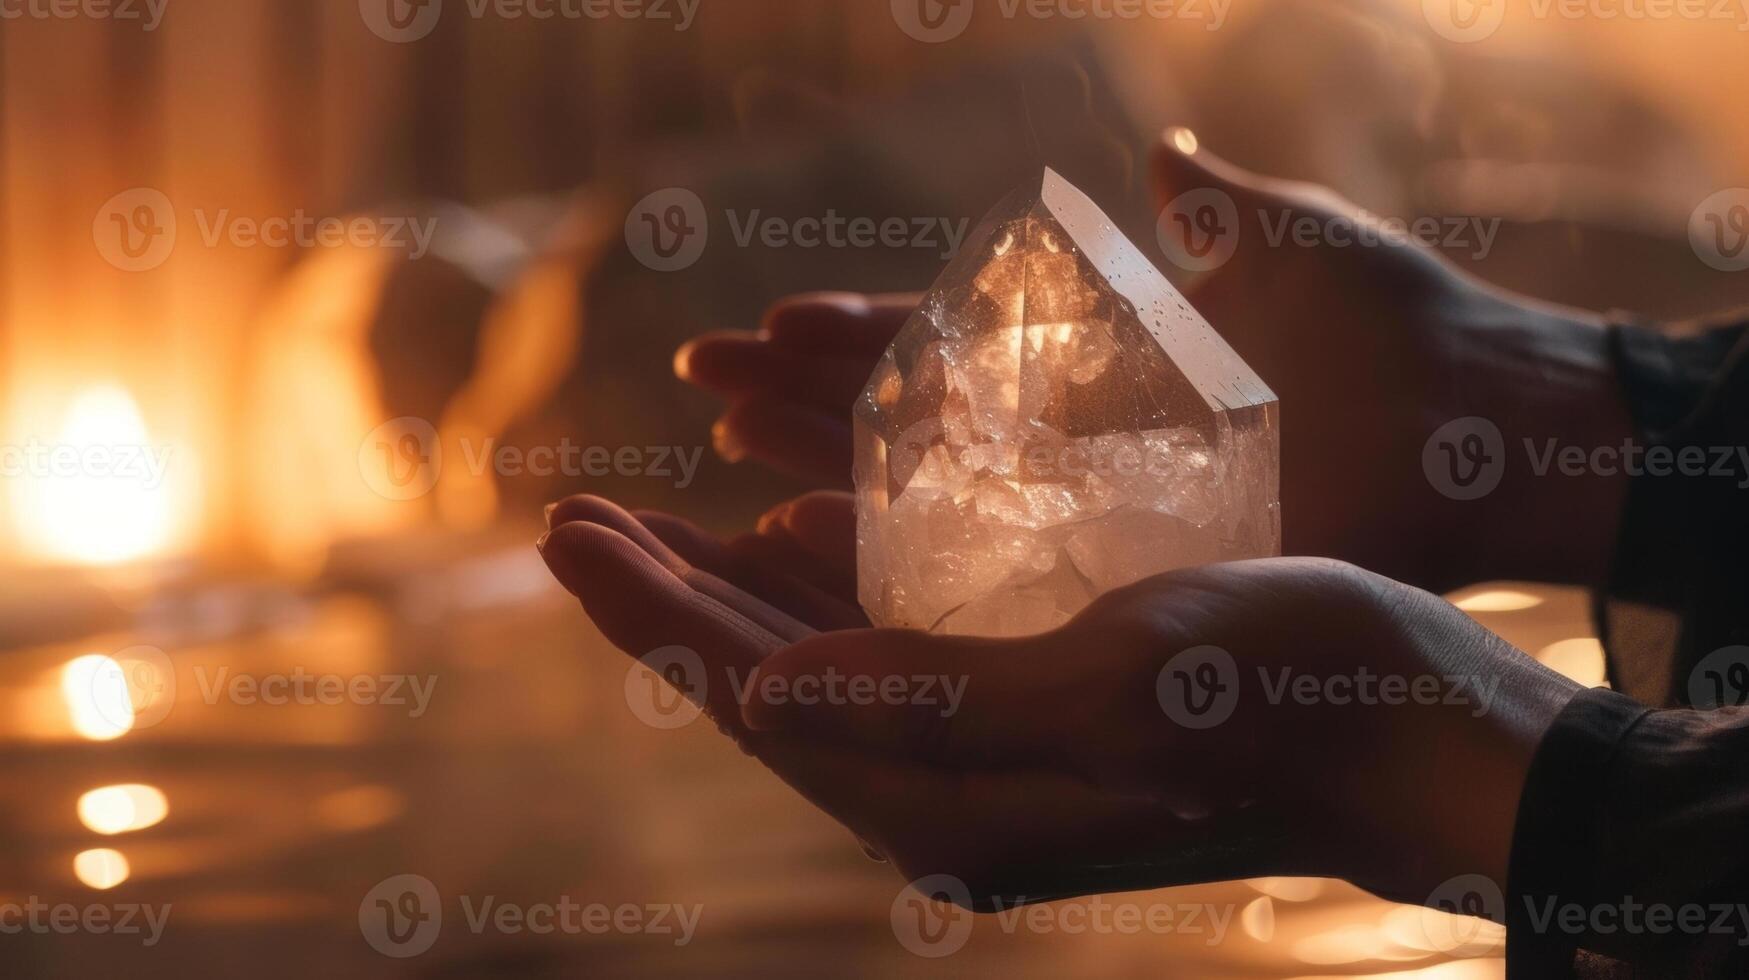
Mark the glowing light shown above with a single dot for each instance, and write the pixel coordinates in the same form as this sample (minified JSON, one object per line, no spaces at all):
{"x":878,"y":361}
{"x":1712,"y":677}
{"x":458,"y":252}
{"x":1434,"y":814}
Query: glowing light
{"x":1498,"y":600}
{"x":1184,"y":139}
{"x":100,"y":496}
{"x":119,"y":809}
{"x":96,"y":694}
{"x":100,"y":867}
{"x":1580,"y":658}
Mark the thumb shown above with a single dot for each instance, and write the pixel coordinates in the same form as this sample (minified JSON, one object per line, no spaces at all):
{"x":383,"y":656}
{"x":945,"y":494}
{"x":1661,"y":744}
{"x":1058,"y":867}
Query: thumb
{"x":957,"y":701}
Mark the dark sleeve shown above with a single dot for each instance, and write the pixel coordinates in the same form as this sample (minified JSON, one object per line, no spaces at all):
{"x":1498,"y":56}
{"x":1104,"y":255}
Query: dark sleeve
{"x":1679,"y":581}
{"x":1630,"y":857}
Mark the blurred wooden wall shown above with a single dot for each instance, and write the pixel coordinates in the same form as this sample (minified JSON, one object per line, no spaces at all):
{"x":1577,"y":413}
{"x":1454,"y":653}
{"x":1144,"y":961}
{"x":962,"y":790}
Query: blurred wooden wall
{"x":263,"y":108}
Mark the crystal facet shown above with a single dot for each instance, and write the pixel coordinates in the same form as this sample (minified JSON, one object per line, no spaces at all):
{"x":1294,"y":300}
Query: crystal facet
{"x":1053,"y":422}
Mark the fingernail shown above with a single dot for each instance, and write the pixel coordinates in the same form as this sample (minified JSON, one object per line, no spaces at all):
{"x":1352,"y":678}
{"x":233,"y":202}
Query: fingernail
{"x":558,"y":562}
{"x":683,"y":360}
{"x":725,"y":442}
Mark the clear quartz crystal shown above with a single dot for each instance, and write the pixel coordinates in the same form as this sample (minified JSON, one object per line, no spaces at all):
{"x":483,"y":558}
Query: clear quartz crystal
{"x":1053,"y":422}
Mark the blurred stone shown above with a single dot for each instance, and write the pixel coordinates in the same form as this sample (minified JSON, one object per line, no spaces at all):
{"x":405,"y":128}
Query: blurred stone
{"x":1053,"y":422}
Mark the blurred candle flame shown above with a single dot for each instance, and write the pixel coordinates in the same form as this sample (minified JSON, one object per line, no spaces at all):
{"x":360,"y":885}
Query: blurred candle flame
{"x":121,"y":808}
{"x":96,"y":695}
{"x":105,"y":500}
{"x":100,"y":867}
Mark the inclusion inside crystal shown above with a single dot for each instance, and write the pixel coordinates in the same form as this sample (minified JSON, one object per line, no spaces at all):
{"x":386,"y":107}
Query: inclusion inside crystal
{"x":1053,"y":422}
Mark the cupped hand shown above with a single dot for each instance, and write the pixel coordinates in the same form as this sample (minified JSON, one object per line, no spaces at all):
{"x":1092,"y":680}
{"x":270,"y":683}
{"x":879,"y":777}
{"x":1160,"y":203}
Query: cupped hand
{"x":1077,"y":761}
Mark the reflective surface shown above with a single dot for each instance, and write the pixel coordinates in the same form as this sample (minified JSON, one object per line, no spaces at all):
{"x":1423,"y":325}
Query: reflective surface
{"x":330,"y":741}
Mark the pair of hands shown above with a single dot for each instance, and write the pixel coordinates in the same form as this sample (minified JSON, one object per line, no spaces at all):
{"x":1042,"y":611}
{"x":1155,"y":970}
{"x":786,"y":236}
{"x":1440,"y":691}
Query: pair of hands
{"x":1069,"y":764}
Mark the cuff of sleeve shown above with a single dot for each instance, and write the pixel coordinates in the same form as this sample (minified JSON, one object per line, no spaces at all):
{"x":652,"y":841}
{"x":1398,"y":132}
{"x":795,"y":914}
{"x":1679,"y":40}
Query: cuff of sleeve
{"x":1676,"y":581}
{"x":1554,"y":840}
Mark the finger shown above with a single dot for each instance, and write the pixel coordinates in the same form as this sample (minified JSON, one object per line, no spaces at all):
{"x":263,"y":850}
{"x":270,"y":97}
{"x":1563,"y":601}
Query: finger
{"x":823,"y":522}
{"x":736,"y":363}
{"x":778,"y":550}
{"x":796,"y":439}
{"x":775,"y":584}
{"x":839,"y":323}
{"x":640,"y":606}
{"x":958,"y":701}
{"x":586,"y":508}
